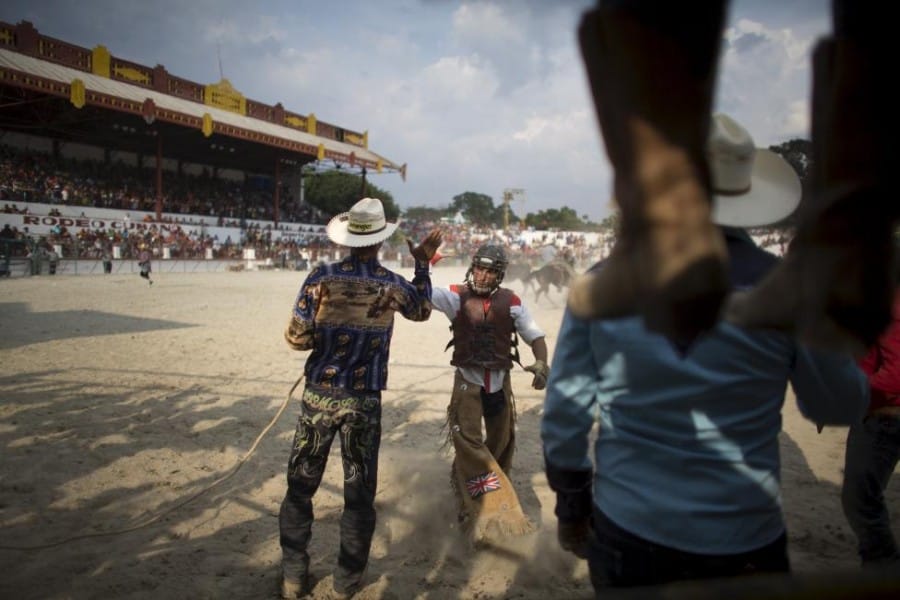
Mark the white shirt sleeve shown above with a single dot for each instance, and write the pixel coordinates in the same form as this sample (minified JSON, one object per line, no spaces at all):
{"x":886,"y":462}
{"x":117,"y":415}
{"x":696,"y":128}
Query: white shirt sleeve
{"x":526,"y":326}
{"x":445,"y":301}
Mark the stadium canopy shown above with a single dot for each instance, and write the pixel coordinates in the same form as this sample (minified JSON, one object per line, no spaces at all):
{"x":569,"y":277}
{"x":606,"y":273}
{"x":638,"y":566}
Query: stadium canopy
{"x":65,"y":92}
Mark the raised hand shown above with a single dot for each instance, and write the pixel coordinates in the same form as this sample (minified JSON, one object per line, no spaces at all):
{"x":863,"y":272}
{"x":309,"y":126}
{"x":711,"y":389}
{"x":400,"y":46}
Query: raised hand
{"x":425,"y":251}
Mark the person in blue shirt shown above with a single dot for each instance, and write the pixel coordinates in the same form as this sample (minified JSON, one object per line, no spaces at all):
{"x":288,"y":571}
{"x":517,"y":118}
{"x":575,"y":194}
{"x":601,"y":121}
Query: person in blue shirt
{"x":344,"y":313}
{"x":685,"y":481}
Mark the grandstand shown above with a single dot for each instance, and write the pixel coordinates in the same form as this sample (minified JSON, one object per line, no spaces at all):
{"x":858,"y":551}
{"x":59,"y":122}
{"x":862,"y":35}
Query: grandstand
{"x":95,"y":148}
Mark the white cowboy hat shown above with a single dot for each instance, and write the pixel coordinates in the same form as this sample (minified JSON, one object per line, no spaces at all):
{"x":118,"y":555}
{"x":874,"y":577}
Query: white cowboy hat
{"x":752,"y":187}
{"x":363,"y":225}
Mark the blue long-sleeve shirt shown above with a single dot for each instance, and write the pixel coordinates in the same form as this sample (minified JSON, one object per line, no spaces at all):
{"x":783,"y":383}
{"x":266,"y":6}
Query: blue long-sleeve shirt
{"x":687,"y":454}
{"x":344,"y":313}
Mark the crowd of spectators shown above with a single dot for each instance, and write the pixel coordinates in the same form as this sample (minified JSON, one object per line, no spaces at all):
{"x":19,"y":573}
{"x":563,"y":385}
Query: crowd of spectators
{"x":30,"y":176}
{"x":63,"y":183}
{"x":171,"y":242}
{"x":68,"y":185}
{"x":33,"y":177}
{"x":523,"y":246}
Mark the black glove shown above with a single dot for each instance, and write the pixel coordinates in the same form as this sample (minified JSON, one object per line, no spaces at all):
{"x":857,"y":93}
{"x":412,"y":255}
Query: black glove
{"x":573,"y":536}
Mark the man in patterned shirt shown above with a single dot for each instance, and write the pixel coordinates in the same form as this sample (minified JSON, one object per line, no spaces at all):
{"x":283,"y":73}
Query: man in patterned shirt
{"x":344,"y":313}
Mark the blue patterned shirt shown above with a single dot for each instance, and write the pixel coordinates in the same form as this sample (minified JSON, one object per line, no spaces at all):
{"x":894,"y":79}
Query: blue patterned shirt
{"x":344,"y":313}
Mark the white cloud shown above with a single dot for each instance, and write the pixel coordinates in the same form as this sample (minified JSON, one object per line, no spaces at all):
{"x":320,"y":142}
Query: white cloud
{"x":474,"y":95}
{"x":240,"y":33}
{"x":764,"y":81}
{"x":456,"y":79}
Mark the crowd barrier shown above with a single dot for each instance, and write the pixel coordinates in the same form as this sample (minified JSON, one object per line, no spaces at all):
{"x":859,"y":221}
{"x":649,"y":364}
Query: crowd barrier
{"x":23,"y":267}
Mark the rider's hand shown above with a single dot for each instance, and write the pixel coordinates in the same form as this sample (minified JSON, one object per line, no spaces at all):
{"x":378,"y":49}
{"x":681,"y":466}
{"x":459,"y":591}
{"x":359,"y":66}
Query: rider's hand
{"x":425,"y":251}
{"x":541,"y":371}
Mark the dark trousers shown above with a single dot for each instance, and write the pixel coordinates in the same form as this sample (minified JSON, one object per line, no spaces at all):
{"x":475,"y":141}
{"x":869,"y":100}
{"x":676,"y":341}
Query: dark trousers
{"x":324,"y":413}
{"x":873,"y":450}
{"x":618,"y":558}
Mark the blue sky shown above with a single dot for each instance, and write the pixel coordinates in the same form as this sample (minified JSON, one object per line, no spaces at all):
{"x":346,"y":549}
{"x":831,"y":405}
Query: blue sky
{"x":474,"y":96}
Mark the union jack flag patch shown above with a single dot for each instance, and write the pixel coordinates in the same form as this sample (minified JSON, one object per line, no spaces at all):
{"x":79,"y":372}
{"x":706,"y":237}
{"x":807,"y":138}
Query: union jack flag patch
{"x":482,"y":484}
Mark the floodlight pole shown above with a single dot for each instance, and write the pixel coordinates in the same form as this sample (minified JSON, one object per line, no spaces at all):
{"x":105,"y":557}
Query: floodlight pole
{"x":508,"y":194}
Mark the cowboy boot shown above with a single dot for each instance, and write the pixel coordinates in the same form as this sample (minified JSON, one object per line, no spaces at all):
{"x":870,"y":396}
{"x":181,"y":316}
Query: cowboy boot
{"x":653,"y":94}
{"x":834,"y":288}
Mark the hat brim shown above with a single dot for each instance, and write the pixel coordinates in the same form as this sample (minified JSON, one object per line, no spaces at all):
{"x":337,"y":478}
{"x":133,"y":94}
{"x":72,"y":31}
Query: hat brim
{"x":774,"y":195}
{"x":337,"y":232}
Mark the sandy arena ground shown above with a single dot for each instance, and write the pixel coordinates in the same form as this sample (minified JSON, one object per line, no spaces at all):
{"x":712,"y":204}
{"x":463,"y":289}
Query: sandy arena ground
{"x":122,"y":404}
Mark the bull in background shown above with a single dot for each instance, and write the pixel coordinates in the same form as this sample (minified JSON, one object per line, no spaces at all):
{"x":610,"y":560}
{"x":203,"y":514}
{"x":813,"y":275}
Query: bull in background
{"x":557,"y":273}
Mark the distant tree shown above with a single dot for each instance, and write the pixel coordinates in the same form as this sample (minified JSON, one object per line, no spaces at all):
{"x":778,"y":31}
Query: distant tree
{"x":334,"y":192}
{"x":478,"y":208}
{"x":556,"y":218}
{"x":427,"y":213}
{"x":798,"y":154}
{"x":611,"y":222}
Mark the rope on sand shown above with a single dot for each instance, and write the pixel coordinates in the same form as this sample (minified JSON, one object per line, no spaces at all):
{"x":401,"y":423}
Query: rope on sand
{"x":171,"y":509}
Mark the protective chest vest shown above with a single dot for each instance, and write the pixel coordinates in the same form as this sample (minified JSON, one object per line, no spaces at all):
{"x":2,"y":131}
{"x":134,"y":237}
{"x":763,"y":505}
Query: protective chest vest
{"x":483,"y":331}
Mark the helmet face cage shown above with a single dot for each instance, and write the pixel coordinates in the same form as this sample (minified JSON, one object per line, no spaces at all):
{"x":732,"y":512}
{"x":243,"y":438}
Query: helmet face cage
{"x":489,"y":256}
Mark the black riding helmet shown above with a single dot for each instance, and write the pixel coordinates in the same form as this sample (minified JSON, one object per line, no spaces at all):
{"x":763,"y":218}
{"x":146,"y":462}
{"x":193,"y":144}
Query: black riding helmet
{"x":489,"y":256}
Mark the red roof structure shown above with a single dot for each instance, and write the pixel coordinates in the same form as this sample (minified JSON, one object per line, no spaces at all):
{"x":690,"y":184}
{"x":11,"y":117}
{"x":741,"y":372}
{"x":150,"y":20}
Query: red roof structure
{"x":52,"y":88}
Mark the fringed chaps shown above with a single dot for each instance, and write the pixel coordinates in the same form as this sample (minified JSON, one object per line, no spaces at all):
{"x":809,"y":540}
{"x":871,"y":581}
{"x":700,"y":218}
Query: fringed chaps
{"x":489,"y":506}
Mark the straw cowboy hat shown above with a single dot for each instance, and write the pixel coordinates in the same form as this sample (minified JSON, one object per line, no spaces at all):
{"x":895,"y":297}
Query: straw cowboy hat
{"x":752,"y":187}
{"x":363,"y":225}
